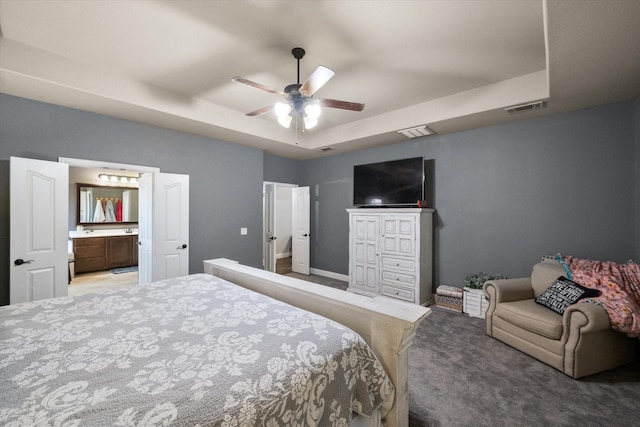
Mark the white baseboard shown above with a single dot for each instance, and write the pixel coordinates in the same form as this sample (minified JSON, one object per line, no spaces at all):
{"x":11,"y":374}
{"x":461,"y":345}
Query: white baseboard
{"x":283,"y":255}
{"x":329,"y":274}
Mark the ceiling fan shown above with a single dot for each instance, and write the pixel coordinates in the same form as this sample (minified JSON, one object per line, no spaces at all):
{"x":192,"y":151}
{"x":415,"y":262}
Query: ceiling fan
{"x":299,"y":101}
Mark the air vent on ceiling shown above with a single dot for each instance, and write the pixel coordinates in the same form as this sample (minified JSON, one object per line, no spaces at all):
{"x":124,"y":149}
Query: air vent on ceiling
{"x":325,"y":149}
{"x":416,"y":132}
{"x":525,"y":107}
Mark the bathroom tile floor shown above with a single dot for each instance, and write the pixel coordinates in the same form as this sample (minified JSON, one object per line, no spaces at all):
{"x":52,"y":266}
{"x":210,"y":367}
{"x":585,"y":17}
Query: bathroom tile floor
{"x":101,"y":281}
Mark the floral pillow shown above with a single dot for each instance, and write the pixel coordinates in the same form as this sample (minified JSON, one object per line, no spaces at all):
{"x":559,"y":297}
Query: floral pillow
{"x":564,"y":292}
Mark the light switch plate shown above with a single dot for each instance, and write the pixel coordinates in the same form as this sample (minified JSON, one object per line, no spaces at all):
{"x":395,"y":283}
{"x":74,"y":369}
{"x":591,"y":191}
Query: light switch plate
{"x":243,"y":231}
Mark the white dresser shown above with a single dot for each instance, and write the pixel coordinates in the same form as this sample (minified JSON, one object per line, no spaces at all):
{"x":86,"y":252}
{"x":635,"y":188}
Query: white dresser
{"x":391,"y":253}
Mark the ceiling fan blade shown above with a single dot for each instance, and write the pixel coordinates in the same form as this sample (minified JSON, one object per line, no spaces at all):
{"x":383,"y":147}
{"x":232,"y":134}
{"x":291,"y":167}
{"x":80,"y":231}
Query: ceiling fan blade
{"x":260,"y":111}
{"x":344,"y":105}
{"x":316,"y":80}
{"x":256,"y":85}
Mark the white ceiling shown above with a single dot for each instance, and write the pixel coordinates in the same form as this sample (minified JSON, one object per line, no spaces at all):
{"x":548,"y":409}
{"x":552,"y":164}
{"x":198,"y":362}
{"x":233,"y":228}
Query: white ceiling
{"x":452,"y":65}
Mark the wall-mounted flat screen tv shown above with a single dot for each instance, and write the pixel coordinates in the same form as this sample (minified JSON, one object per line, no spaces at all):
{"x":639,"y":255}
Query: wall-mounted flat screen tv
{"x":392,"y":183}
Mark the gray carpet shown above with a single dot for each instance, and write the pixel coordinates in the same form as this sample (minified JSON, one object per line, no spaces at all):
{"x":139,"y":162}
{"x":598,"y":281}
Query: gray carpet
{"x":458,"y":376}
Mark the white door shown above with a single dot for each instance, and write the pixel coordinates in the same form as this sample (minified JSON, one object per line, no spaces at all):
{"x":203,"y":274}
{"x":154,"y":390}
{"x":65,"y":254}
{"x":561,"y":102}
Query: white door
{"x":39,"y":203}
{"x":170,"y":226}
{"x":301,"y":231}
{"x":164,"y":229}
{"x":269,"y":238}
{"x":145,"y":228}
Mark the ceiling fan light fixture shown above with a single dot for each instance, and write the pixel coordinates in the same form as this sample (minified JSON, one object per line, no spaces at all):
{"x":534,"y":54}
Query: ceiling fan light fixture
{"x":285,"y":121}
{"x":312,"y":111}
{"x":282,"y":110}
{"x":310,"y":123}
{"x":299,"y":97}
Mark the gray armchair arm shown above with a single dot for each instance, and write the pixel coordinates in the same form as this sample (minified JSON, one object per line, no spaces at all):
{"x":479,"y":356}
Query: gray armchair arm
{"x":505,"y":290}
{"x":586,"y":317}
{"x":589,"y":342}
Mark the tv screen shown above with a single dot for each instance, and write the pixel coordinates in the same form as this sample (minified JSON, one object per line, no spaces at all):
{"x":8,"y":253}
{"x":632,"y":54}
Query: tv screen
{"x":392,"y":183}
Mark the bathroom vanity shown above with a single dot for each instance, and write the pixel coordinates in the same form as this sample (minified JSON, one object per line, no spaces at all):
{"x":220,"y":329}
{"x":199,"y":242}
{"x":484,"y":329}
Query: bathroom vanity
{"x":95,"y":248}
{"x":104,"y":249}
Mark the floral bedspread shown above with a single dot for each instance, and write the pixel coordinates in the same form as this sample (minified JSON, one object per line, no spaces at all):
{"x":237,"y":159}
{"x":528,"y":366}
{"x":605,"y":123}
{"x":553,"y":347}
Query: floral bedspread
{"x":619,"y":285}
{"x":194,"y":350}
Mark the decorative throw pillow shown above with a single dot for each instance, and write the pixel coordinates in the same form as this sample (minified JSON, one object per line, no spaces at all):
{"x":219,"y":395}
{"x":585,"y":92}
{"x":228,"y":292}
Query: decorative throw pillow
{"x":564,"y":292}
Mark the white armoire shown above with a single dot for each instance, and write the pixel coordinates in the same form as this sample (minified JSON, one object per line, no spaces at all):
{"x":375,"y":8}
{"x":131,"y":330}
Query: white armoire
{"x":391,"y":253}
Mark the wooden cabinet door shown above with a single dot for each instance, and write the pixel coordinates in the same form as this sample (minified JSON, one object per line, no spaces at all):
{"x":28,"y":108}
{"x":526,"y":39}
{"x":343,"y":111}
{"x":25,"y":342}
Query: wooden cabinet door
{"x":134,"y":255}
{"x":399,"y":235}
{"x":364,"y":258}
{"x":119,"y":251}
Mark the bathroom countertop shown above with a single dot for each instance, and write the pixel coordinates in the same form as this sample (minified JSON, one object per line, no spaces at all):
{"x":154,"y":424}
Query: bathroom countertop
{"x":103,"y":233}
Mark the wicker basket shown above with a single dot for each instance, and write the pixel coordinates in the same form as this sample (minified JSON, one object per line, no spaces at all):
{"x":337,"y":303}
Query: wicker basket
{"x":449,"y":303}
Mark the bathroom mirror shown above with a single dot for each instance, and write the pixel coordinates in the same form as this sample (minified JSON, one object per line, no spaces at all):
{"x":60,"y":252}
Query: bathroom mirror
{"x":101,"y":204}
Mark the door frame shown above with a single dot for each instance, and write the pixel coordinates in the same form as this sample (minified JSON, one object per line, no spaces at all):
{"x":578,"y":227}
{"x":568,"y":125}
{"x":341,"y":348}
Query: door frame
{"x":85,"y":163}
{"x":97,"y":164}
{"x":277,"y":184}
{"x":269,"y":226}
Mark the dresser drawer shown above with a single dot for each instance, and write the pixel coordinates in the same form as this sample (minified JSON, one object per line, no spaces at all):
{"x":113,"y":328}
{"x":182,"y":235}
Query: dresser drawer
{"x":399,"y":293}
{"x":398,"y":279}
{"x":399,"y":263}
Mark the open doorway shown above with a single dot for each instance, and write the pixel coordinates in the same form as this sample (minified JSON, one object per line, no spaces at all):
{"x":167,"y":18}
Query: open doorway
{"x":286,"y":228}
{"x":103,"y":229}
{"x":103,"y":225}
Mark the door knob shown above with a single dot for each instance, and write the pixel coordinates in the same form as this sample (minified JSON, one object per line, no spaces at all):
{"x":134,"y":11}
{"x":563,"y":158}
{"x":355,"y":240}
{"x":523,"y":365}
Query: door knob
{"x":139,"y":243}
{"x":184,"y":246}
{"x":306,"y":235}
{"x":20,"y":261}
{"x":273,"y":238}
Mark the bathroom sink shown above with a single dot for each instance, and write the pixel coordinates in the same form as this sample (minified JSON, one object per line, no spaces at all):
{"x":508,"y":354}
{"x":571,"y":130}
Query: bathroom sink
{"x":103,"y":233}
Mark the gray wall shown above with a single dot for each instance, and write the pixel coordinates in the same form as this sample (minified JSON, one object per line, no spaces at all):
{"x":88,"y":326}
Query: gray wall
{"x":280,"y":169}
{"x":225,"y":179}
{"x":505,"y":195}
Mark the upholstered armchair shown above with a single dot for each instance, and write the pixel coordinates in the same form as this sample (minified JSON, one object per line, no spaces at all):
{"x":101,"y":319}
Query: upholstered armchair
{"x":579,"y":342}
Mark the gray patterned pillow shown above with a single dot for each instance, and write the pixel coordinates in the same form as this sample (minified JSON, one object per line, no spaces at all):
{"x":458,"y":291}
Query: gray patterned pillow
{"x":564,"y":292}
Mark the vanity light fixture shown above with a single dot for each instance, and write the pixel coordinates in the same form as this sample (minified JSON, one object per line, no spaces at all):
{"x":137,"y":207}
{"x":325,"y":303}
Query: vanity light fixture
{"x":118,"y":178}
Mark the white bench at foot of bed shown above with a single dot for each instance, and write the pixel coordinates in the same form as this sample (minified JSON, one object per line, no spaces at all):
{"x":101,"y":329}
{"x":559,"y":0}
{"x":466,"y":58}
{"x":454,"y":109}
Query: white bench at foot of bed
{"x":387,"y":325}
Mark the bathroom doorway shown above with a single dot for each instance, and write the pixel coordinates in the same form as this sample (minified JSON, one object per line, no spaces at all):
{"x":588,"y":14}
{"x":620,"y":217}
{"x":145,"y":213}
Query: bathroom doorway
{"x":286,"y":228}
{"x":86,"y":275}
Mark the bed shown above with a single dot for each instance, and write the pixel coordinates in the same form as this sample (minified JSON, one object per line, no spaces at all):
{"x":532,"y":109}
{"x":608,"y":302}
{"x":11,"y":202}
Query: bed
{"x":193,"y":350}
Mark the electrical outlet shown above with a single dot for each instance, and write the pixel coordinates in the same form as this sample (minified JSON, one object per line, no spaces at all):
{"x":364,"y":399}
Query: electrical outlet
{"x":243,"y":231}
